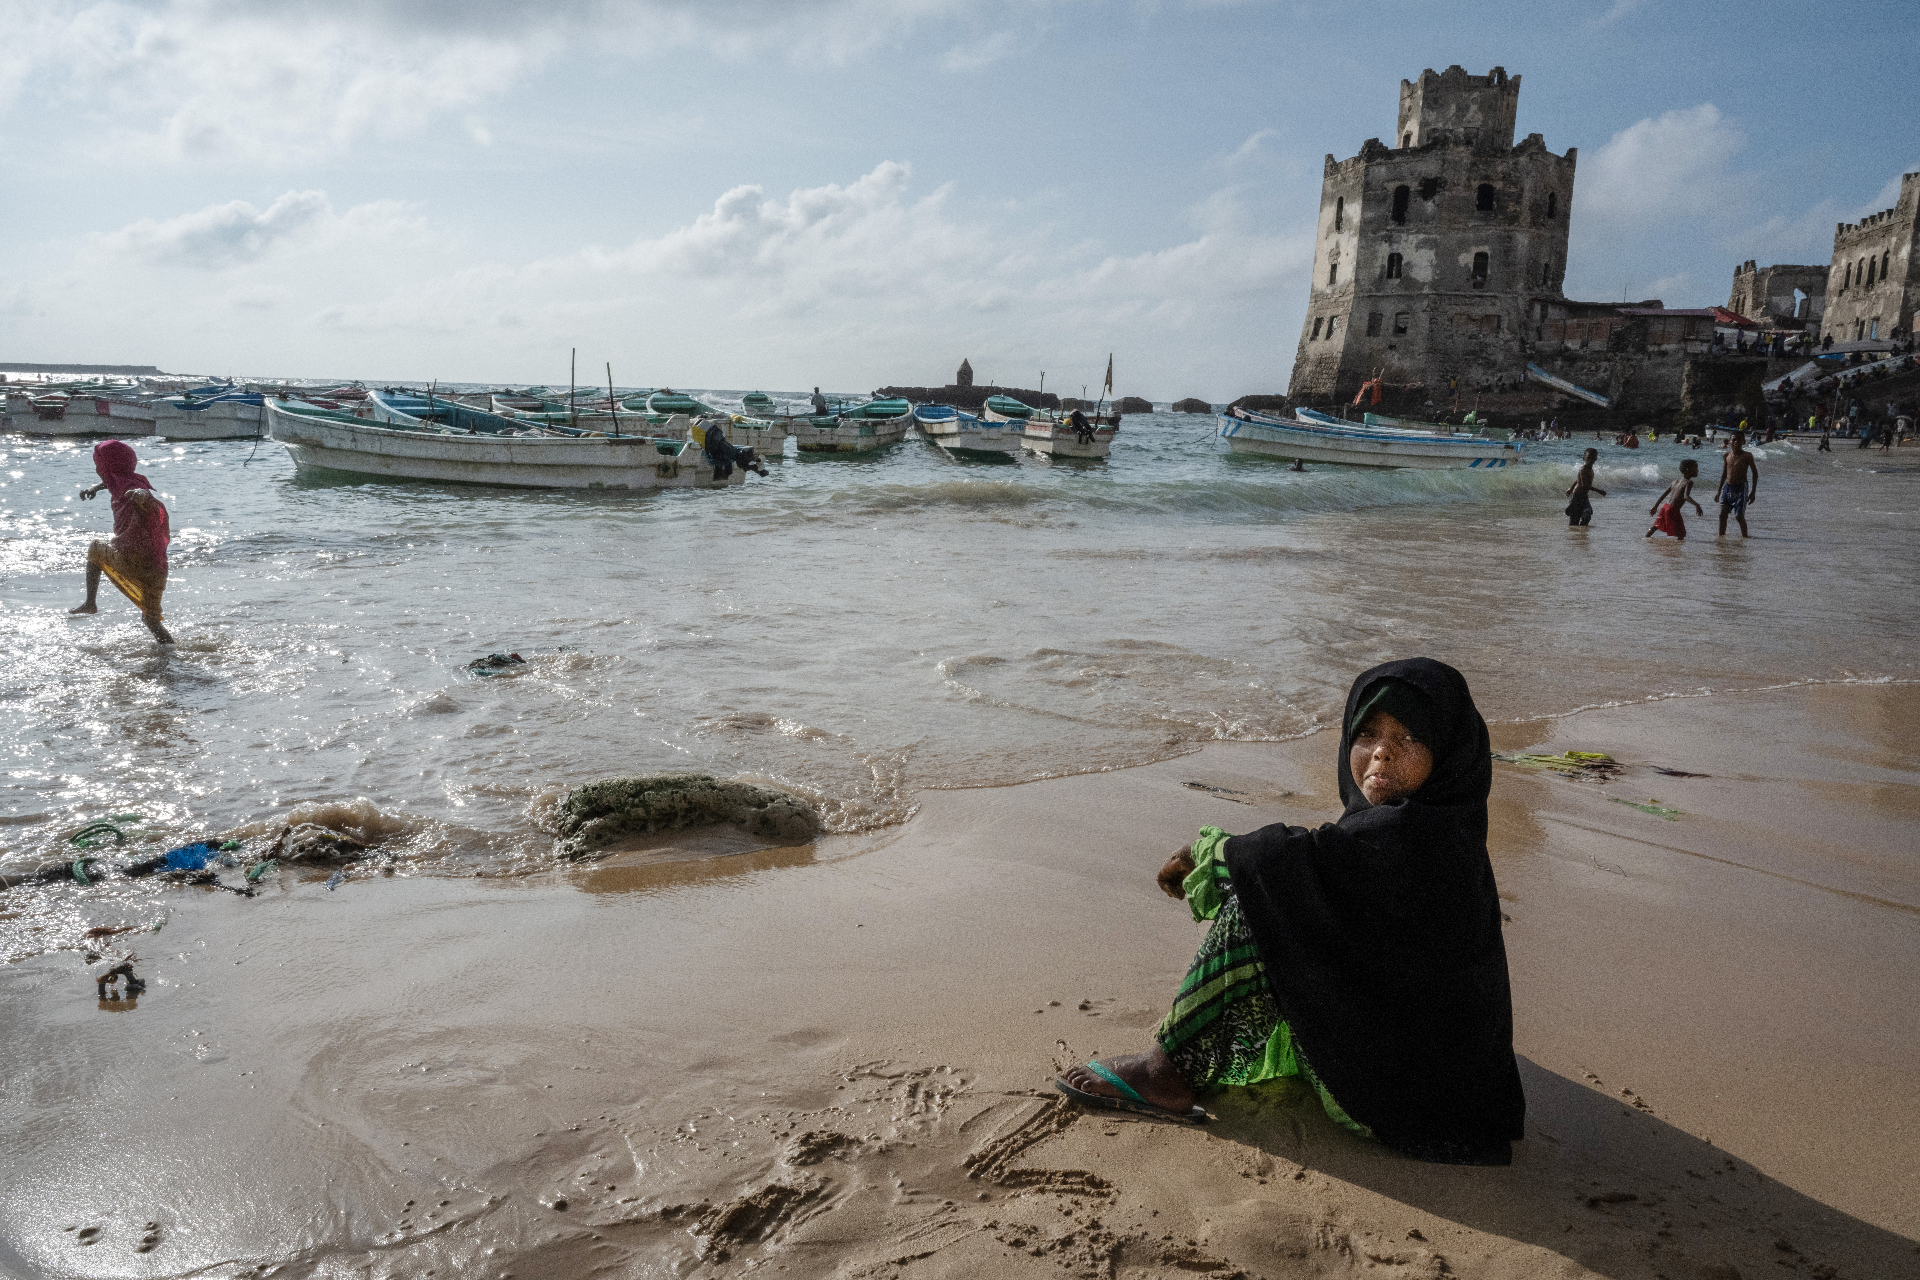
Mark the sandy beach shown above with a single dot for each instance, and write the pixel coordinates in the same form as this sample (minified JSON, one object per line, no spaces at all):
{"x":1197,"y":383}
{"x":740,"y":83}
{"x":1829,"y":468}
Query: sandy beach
{"x":701,"y":1058}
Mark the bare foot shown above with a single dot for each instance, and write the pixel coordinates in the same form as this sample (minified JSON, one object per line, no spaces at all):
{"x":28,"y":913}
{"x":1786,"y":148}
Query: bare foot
{"x":1151,"y":1074}
{"x":160,"y":633}
{"x":85,"y":608}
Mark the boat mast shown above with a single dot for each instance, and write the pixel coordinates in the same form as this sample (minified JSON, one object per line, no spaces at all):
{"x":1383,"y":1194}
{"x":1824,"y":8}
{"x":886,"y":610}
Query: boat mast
{"x":573,"y":373}
{"x":613,"y":406}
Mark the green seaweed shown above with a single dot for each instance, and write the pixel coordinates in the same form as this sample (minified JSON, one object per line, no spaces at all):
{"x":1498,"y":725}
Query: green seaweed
{"x":1653,"y":807}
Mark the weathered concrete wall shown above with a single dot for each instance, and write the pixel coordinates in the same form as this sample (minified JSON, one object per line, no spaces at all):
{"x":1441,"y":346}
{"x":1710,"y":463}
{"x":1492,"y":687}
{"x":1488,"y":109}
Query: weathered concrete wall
{"x":1435,"y":262}
{"x":1767,"y":293}
{"x":1872,"y":286}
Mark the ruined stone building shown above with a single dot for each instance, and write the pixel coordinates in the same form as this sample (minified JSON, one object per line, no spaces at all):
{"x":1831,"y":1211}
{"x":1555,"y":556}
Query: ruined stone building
{"x":1438,"y":257}
{"x":1873,"y":284}
{"x":1779,"y":293}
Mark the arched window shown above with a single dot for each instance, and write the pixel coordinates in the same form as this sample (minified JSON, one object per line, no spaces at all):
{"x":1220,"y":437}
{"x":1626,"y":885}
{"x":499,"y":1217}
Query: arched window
{"x":1316,"y":329}
{"x":1886,"y":260}
{"x":1484,"y":199}
{"x":1872,"y":265}
{"x":1406,"y":140}
{"x":1400,"y":197}
{"x":1546,"y":272}
{"x":1393,"y":266}
{"x":1333,"y":273}
{"x":1479,"y":270}
{"x":1339,"y":211}
{"x":1848,"y":282}
{"x":1553,"y":205}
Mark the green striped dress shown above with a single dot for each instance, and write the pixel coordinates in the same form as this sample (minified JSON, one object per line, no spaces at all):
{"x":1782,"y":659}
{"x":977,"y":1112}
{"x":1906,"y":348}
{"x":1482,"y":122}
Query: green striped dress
{"x":1225,"y":1027}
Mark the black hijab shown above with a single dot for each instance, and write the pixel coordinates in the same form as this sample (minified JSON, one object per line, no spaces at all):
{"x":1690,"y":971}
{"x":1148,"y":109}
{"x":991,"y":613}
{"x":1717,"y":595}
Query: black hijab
{"x":1380,"y":935}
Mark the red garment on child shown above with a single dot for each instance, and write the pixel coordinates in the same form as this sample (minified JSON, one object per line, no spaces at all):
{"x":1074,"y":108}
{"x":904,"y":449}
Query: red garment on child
{"x":1668,"y":520}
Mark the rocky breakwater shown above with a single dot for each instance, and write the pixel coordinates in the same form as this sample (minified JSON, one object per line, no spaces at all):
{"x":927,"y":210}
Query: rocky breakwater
{"x":1192,"y":405}
{"x":969,"y":398}
{"x":596,"y":814}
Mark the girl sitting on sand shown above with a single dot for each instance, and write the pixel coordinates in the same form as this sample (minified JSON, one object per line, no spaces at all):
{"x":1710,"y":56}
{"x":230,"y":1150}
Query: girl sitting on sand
{"x":1364,"y":955}
{"x":136,"y":559}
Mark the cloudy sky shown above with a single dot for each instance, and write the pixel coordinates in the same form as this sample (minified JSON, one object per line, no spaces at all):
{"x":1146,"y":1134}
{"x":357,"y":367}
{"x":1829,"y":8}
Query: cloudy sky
{"x":779,"y":193}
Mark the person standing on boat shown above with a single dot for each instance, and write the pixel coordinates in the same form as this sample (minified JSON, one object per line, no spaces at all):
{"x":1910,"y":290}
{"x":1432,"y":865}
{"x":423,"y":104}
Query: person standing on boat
{"x":136,"y":560}
{"x":819,"y":404}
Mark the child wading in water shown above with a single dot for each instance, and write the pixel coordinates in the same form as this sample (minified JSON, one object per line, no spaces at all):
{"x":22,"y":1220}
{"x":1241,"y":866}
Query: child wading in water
{"x":1580,"y":510}
{"x":1669,"y":513}
{"x":136,"y":559}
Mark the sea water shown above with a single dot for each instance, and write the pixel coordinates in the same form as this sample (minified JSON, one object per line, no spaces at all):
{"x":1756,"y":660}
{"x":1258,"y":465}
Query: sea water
{"x":859,"y":627}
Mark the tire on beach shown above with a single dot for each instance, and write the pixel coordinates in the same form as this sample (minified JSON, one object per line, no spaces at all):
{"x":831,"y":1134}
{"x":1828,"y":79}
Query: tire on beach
{"x":598,"y":813}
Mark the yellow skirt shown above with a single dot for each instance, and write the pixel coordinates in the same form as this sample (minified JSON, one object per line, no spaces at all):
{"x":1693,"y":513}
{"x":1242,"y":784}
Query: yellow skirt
{"x":139,"y":579}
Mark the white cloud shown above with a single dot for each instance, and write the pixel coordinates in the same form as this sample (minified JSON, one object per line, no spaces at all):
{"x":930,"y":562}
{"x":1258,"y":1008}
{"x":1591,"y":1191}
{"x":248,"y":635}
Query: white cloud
{"x":1675,"y":165}
{"x":283,"y":83}
{"x":979,"y":54}
{"x":842,"y":284}
{"x":233,"y":234}
{"x":1247,"y":149}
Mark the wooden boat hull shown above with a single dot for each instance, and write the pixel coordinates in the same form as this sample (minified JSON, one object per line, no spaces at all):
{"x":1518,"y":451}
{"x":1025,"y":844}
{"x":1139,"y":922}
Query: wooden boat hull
{"x":222,"y":420}
{"x":1059,"y":440}
{"x":86,"y":416}
{"x":962,"y":434}
{"x":1364,"y":447}
{"x":848,"y":435}
{"x":330,"y":443}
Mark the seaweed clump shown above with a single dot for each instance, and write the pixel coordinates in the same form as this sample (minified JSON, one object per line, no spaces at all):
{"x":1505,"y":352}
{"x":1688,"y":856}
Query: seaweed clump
{"x":598,"y":813}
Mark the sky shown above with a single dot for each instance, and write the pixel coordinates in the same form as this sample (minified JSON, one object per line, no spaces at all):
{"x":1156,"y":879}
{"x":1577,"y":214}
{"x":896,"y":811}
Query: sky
{"x":854,"y":193}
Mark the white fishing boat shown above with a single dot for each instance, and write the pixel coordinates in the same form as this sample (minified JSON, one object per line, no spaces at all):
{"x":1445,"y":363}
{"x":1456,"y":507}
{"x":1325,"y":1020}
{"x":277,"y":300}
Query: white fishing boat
{"x":63,"y":414}
{"x":962,"y":434}
{"x":861,"y":429}
{"x":226,"y":415}
{"x":1315,"y":437}
{"x":1060,"y":438}
{"x":330,"y":440}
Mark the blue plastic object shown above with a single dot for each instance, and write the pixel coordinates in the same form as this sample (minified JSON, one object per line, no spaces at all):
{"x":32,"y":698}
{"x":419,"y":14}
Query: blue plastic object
{"x":192,"y":857}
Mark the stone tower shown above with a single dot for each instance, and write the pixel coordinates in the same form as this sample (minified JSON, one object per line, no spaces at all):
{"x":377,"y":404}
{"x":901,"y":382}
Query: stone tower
{"x":964,"y":378}
{"x":1780,"y":292}
{"x":1873,"y":285}
{"x":1437,"y":258}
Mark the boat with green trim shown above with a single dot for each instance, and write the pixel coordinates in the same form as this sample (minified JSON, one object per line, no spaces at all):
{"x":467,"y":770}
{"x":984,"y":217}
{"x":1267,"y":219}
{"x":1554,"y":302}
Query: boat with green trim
{"x":861,"y":429}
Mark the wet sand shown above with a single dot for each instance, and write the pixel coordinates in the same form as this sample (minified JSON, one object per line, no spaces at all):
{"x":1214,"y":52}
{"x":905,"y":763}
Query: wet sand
{"x":835,"y":1060}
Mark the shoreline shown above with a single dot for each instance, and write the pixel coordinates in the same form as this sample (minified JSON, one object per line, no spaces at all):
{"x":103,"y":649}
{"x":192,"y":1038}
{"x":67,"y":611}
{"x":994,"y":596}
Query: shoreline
{"x":835,"y":1060}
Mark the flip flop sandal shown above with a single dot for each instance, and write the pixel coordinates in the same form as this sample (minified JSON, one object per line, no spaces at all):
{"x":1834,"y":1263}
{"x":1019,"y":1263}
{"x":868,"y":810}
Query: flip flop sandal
{"x":1129,"y":1099}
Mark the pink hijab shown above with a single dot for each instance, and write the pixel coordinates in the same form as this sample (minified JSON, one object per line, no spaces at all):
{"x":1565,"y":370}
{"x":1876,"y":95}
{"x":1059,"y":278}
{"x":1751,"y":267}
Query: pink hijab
{"x":132,"y":528}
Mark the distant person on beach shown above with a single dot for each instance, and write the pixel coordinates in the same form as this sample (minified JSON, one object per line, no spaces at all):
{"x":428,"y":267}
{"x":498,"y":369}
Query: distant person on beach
{"x":1363,"y":956}
{"x":1669,"y":514}
{"x":1580,"y":510}
{"x":1739,"y":483}
{"x":136,"y":560}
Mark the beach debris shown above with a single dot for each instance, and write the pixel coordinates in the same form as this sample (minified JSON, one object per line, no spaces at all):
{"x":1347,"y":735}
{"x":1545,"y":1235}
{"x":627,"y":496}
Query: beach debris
{"x":1653,"y":807}
{"x":495,"y":662}
{"x":94,"y":834}
{"x":1587,"y":766}
{"x":596,"y":814}
{"x":311,"y":842}
{"x":1678,"y":773}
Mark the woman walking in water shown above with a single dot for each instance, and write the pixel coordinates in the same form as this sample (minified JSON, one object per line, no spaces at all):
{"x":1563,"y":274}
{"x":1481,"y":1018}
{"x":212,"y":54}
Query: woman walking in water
{"x":1363,"y":955}
{"x":136,"y":559}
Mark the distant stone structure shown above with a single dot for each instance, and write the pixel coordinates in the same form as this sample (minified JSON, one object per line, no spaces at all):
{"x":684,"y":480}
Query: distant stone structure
{"x":1192,"y":405}
{"x":1873,"y":283}
{"x":1132,"y":404}
{"x":1439,"y":258}
{"x":969,"y":398}
{"x":964,"y":378}
{"x":1779,"y":292}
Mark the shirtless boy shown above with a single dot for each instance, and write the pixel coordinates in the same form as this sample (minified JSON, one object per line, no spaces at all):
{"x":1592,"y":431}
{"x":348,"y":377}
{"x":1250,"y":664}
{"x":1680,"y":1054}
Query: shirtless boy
{"x":1668,"y":513}
{"x":1739,"y":483}
{"x":1580,"y":510}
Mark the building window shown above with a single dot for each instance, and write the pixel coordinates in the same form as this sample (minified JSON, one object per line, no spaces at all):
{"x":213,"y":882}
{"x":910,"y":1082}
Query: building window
{"x":1400,"y":197}
{"x":1406,"y":140}
{"x":1429,"y":188}
{"x":1331,"y":322}
{"x":1339,"y":212}
{"x":1886,"y":260}
{"x":1374,"y":321}
{"x":1393,"y":266}
{"x":1479,"y":270}
{"x":1849,"y":280}
{"x":1483,"y":201}
{"x":1333,"y":273}
{"x":1871,"y":265}
{"x":1316,"y":330}
{"x":1400,"y":319}
{"x":1873,"y":330}
{"x":1553,"y":204}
